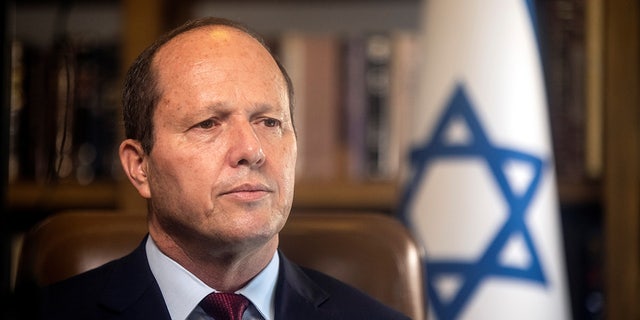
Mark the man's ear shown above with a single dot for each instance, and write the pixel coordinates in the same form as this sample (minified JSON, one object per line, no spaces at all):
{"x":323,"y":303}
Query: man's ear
{"x":134,"y":163}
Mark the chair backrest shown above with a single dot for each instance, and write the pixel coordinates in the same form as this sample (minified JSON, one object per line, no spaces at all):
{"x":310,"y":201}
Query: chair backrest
{"x":370,"y":251}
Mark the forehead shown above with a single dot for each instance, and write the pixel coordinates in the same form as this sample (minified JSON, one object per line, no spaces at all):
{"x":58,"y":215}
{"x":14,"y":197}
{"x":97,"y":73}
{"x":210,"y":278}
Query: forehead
{"x":213,"y":44}
{"x":221,"y":49}
{"x":212,"y":37}
{"x":214,"y":63}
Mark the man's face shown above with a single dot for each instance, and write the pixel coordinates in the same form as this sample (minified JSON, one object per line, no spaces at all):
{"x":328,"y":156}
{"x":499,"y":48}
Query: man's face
{"x":223,"y":159}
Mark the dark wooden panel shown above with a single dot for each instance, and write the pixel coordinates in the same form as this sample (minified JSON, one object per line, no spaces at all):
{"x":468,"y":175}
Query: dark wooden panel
{"x":622,"y":159}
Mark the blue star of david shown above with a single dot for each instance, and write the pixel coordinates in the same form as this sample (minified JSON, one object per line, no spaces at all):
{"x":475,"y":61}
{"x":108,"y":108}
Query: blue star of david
{"x":472,"y":273}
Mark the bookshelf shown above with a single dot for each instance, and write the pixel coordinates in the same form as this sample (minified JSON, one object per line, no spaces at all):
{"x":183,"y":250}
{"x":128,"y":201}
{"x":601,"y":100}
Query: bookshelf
{"x":131,"y":25}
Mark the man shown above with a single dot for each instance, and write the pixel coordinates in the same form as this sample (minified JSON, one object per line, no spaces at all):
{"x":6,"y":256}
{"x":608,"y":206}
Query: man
{"x":212,"y":147}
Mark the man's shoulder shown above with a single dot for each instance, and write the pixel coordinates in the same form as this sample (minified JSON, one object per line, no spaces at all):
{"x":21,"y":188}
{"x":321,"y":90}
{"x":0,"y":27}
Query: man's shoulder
{"x":85,"y":283}
{"x":345,"y":297}
{"x":337,"y":298}
{"x":90,"y":282}
{"x":78,"y":294}
{"x":123,"y":287}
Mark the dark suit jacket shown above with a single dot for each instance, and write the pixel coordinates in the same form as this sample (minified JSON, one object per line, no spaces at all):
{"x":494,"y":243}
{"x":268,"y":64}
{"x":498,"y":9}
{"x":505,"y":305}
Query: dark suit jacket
{"x":126,"y":289}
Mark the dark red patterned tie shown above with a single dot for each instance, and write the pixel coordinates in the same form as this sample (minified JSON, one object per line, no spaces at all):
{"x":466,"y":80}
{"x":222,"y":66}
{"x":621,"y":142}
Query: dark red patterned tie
{"x":224,"y":306}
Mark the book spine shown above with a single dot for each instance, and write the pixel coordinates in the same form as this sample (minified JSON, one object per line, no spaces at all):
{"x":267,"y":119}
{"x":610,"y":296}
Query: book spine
{"x":377,"y":84}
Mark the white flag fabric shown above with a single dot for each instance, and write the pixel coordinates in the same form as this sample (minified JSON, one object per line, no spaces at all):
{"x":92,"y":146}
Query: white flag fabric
{"x":480,"y":194}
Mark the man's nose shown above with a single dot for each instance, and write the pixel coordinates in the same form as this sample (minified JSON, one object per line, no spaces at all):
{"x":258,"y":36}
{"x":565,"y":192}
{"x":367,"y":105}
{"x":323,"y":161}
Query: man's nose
{"x":245,"y":146}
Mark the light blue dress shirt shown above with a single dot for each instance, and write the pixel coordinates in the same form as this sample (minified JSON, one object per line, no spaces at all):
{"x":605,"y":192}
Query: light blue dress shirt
{"x":182,"y":291}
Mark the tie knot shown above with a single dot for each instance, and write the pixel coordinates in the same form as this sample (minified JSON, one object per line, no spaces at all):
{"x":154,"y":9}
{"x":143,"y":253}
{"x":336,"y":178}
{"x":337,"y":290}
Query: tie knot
{"x":224,"y":306}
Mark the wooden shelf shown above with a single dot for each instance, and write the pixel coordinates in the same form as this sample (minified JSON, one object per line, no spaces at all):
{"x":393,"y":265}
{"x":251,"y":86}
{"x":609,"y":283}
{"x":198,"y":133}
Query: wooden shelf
{"x":32,"y":196}
{"x":579,"y":193}
{"x":329,"y":195}
{"x":346,"y":195}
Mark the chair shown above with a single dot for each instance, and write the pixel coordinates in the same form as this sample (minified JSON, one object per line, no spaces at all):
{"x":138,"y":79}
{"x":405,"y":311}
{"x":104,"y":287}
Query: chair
{"x":370,"y":251}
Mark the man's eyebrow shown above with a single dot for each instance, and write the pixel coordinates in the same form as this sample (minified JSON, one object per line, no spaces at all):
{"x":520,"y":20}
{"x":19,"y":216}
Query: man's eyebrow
{"x":219,"y":109}
{"x":217,"y":106}
{"x":223,"y":110}
{"x":265,"y":107}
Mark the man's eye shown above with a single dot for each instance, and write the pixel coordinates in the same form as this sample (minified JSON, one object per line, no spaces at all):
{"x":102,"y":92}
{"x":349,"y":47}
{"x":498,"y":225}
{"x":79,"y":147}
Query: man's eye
{"x":207,"y":124}
{"x":271,"y":123}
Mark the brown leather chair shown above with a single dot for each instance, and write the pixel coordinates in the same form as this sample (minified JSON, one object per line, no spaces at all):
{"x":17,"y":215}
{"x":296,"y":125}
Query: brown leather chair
{"x":370,"y":251}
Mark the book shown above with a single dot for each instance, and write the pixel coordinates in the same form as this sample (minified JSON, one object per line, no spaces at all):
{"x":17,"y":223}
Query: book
{"x":402,"y":98}
{"x":313,"y":62}
{"x":380,"y":90}
{"x":355,"y":105}
{"x":377,"y":113}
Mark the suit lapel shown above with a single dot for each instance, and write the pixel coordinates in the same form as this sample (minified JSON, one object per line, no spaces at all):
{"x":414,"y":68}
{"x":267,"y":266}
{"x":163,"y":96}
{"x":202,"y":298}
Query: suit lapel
{"x":297,"y":296}
{"x":132,"y":291}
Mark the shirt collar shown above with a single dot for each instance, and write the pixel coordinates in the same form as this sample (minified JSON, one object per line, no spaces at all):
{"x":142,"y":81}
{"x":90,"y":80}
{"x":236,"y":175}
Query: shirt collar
{"x":182,"y":291}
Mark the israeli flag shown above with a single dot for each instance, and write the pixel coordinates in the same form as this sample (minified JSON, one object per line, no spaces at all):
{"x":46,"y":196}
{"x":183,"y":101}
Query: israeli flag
{"x":480,"y":193}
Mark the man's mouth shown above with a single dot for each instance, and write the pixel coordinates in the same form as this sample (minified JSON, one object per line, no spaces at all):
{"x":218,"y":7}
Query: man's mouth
{"x":248,"y":192}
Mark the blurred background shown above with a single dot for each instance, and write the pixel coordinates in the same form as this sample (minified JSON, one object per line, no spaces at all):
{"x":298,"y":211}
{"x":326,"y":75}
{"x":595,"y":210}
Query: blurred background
{"x":63,"y":63}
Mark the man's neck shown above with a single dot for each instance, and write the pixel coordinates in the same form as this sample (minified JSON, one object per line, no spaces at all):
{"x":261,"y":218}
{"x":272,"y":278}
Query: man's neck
{"x":226,"y":269}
